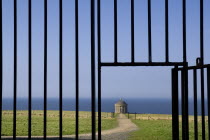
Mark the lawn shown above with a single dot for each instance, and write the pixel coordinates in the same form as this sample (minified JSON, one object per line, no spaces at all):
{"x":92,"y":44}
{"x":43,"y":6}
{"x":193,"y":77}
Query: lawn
{"x":52,"y":123}
{"x":159,"y":127}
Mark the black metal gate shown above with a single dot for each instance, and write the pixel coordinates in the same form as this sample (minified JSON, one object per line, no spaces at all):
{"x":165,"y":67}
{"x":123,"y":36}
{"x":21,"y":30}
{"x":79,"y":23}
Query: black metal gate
{"x":185,"y":100}
{"x":178,"y":66}
{"x":181,"y":66}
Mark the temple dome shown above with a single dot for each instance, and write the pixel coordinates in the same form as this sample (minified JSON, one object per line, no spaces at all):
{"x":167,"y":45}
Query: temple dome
{"x":121,"y":102}
{"x":121,"y":106}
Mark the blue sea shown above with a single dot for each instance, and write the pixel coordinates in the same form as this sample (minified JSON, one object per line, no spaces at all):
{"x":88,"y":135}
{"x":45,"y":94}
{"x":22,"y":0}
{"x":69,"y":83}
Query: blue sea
{"x":138,"y":105}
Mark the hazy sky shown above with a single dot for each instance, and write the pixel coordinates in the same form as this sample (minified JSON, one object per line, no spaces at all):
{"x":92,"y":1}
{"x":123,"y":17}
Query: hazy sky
{"x":150,"y":82}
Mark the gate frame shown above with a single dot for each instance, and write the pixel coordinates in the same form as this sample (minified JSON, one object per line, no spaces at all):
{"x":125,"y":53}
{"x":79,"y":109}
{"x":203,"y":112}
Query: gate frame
{"x":107,"y":64}
{"x":184,"y":100}
{"x":174,"y":72}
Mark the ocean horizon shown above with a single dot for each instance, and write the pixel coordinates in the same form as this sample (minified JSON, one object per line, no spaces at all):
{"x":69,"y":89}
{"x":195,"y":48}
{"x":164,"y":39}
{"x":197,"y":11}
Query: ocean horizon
{"x":135,"y":105}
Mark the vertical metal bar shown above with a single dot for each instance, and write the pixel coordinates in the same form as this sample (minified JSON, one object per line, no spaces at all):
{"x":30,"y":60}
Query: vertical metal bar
{"x":185,"y":77}
{"x":93,"y":96}
{"x":61,"y":68}
{"x":184,"y":31}
{"x":99,"y":66}
{"x":208,"y":95}
{"x":29,"y":68}
{"x":175,"y":104}
{"x":166,"y":32}
{"x":99,"y":102}
{"x":1,"y":53}
{"x":149,"y":32}
{"x":132,"y":33}
{"x":195,"y":105}
{"x":202,"y":104}
{"x":183,"y":104}
{"x":202,"y":70}
{"x":15,"y":71}
{"x":115,"y":31}
{"x":201,"y":32}
{"x":45,"y":68}
{"x":185,"y":120}
{"x":77,"y":67}
{"x":186,"y":105}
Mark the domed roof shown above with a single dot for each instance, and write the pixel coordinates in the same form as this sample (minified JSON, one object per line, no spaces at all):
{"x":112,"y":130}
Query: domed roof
{"x":121,"y":102}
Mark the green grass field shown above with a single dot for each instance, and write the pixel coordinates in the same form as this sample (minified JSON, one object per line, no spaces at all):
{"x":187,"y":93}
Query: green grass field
{"x":52,"y":123}
{"x":151,"y":126}
{"x":159,"y":127}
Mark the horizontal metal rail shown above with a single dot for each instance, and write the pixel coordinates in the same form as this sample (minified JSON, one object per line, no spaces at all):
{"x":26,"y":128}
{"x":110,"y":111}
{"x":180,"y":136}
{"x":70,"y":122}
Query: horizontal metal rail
{"x":142,"y":64}
{"x":194,"y":67}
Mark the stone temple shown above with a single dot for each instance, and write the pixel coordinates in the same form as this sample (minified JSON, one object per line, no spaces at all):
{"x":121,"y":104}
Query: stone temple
{"x":121,"y":106}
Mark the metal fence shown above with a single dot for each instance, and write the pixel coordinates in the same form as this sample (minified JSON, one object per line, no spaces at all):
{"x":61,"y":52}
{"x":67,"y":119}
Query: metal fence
{"x":92,"y":12}
{"x":96,"y":70}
